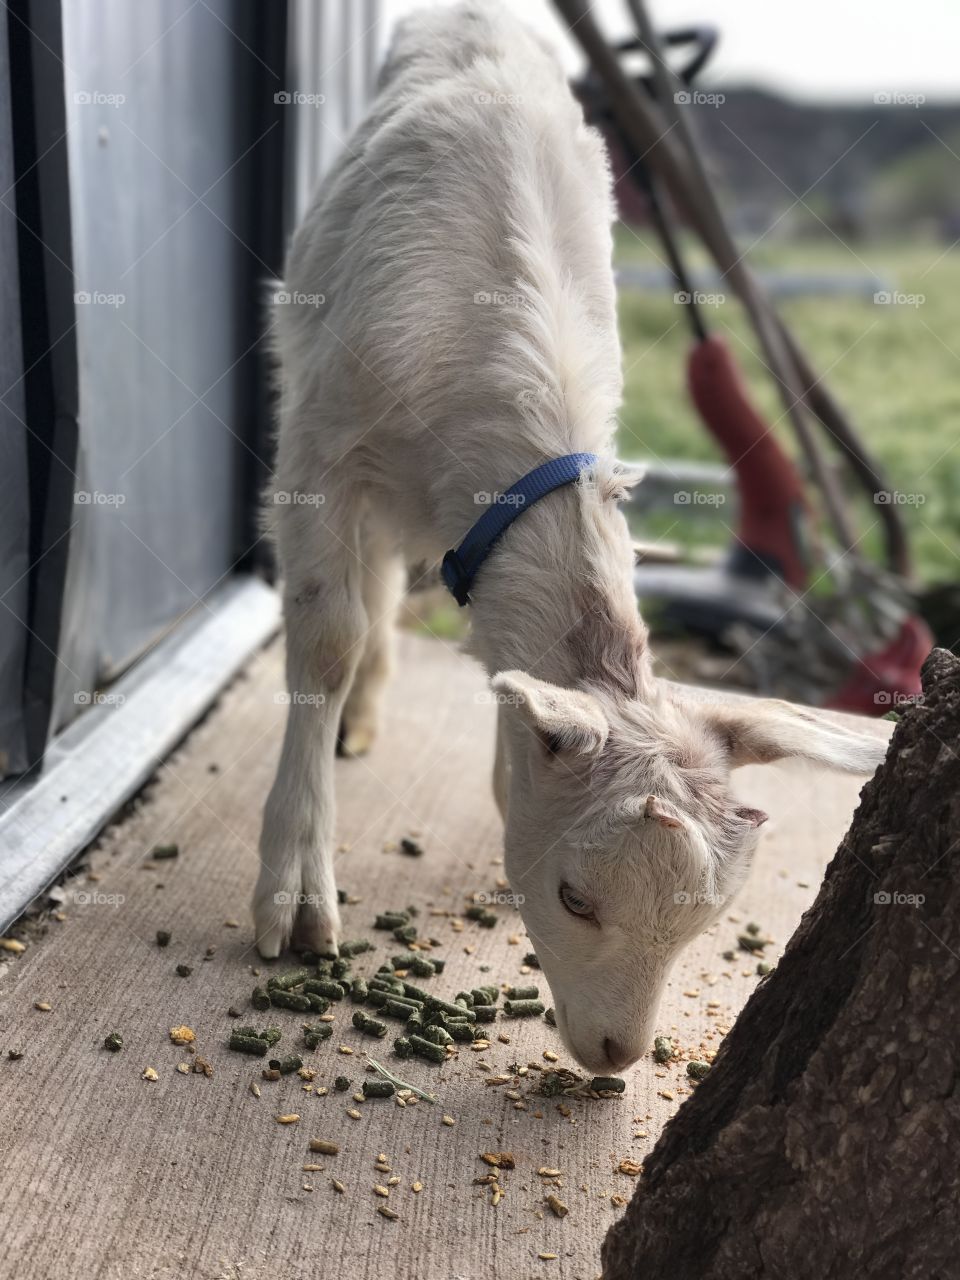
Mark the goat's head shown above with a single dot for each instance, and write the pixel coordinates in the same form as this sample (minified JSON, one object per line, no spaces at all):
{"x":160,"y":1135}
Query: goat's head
{"x":623,"y":842}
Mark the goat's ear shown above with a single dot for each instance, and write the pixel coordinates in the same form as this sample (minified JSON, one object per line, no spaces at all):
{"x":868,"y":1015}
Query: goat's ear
{"x":565,"y":720}
{"x":659,"y":810}
{"x":752,"y":817}
{"x":629,"y":475}
{"x":764,"y":730}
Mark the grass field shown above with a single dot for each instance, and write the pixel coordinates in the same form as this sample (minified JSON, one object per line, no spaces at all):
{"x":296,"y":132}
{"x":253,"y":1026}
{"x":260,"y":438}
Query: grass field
{"x":895,"y":368}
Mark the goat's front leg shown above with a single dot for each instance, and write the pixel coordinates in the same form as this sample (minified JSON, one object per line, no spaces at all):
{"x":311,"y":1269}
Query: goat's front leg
{"x":296,"y":894}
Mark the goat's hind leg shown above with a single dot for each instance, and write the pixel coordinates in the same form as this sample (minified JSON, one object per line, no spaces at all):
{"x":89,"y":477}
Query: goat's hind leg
{"x":501,"y":764}
{"x":384,"y":577}
{"x":326,"y":620}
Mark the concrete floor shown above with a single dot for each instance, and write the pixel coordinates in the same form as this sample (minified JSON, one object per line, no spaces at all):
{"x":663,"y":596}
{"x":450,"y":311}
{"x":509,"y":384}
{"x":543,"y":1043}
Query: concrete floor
{"x":107,"y":1174}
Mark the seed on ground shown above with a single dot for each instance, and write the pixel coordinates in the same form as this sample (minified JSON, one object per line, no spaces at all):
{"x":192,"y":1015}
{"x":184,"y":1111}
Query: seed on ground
{"x":42,"y":1006}
{"x":12,"y":945}
{"x":386,"y":1212}
{"x":150,"y":1074}
{"x":447,"y":1120}
{"x":325,"y":1147}
{"x":630,"y":1168}
{"x":416,"y":1186}
{"x":546,"y":1172}
{"x":289,"y":1118}
{"x":337,"y":1185}
{"x":378,"y":1190}
{"x":547,"y":1257}
{"x":353,"y":1113}
{"x":550,"y":1056}
{"x":184,"y":1068}
{"x":182,"y":1035}
{"x":499,"y":1159}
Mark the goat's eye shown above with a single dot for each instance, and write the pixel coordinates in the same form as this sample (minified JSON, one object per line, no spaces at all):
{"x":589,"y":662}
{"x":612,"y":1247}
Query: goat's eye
{"x":576,"y":905}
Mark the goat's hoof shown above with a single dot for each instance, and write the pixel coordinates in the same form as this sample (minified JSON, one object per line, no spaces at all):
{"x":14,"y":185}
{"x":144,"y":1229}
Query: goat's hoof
{"x":355,"y":740}
{"x":295,"y":919}
{"x":316,"y":933}
{"x":274,"y":927}
{"x":274,"y":915}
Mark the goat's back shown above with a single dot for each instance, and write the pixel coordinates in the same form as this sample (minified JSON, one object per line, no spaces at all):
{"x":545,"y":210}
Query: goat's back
{"x":462,"y":244}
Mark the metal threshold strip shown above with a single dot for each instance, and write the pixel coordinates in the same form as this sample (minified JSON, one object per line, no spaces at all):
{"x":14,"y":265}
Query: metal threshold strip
{"x":104,"y":758}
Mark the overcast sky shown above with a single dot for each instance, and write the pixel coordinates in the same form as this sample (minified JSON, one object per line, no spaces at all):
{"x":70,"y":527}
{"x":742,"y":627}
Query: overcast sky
{"x":837,"y":50}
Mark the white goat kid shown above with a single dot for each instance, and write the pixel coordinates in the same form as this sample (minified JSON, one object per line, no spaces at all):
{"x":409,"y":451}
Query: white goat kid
{"x":462,"y":246}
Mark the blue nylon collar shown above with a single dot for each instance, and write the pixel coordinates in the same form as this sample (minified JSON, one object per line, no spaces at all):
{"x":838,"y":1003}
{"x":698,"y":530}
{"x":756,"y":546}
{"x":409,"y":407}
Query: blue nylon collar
{"x":460,"y":566}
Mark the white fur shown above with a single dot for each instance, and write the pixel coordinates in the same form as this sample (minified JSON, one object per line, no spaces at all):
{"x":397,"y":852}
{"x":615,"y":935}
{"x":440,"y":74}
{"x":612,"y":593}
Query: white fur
{"x":402,"y":397}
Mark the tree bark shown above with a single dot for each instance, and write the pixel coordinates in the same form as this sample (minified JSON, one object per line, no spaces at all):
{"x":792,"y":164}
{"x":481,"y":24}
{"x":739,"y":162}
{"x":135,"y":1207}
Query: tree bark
{"x":825,"y":1142}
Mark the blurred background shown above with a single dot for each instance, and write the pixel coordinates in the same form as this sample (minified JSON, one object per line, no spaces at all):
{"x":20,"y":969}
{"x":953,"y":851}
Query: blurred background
{"x":155,"y":157}
{"x":833,"y":146}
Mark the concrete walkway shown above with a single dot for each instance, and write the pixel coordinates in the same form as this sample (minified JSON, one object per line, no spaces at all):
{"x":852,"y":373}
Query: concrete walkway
{"x":108,"y":1175}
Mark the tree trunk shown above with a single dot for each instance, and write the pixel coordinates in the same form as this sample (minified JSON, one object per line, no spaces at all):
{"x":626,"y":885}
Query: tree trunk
{"x":825,"y":1142}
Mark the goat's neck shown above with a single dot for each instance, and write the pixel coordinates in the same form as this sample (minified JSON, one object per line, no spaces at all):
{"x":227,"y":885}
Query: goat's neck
{"x":555,"y":597}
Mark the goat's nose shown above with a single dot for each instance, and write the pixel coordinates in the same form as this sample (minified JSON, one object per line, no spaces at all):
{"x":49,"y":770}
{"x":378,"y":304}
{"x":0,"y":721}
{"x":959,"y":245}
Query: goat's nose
{"x":616,"y":1055}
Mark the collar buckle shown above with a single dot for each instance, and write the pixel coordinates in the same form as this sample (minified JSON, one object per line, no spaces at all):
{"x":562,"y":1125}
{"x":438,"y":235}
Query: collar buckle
{"x":456,"y":578}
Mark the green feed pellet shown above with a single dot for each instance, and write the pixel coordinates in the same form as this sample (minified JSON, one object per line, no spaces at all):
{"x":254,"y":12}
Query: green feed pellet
{"x":287,"y":981}
{"x":286,"y":1065}
{"x":314,"y":1036}
{"x":523,"y":1008}
{"x":377,"y":1089}
{"x":427,"y":1049}
{"x":369,"y":1026}
{"x":662,"y":1049}
{"x":607,"y":1084}
{"x":391,"y":920}
{"x":290,"y":1000}
{"x":523,"y":993}
{"x":248,"y":1044}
